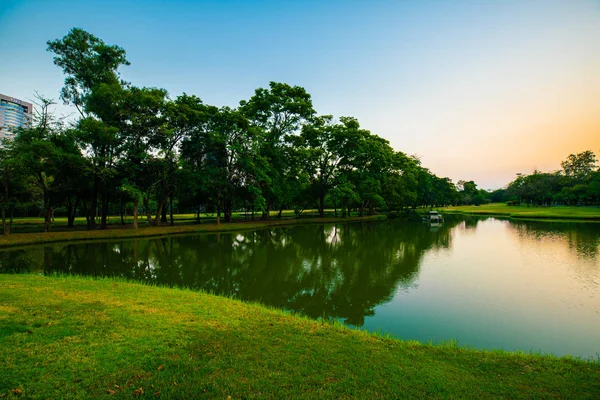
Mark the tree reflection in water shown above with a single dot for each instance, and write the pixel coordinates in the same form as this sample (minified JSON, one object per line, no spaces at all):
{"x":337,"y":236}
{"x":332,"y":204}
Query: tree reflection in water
{"x":340,"y":271}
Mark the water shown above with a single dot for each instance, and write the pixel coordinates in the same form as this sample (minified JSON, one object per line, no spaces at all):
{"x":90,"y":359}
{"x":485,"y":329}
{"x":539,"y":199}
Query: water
{"x":487,"y":283}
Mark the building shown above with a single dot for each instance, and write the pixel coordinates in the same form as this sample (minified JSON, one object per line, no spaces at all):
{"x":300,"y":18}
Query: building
{"x":14,"y":113}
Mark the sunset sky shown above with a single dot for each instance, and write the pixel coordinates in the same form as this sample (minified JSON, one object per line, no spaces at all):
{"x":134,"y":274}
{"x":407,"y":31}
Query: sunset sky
{"x":478,"y":90}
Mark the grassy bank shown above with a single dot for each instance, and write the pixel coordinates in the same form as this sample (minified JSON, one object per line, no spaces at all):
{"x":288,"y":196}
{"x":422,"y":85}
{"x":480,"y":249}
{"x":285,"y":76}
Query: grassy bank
{"x":524,"y":212}
{"x":64,"y":337}
{"x":21,"y":239}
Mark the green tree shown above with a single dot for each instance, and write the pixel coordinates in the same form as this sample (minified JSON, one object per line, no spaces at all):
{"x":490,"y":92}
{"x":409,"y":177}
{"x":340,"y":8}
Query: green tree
{"x":279,"y":111}
{"x":93,"y":86}
{"x":142,"y":130}
{"x":579,"y":166}
{"x":87,"y":62}
{"x":325,"y":143}
{"x":47,"y":153}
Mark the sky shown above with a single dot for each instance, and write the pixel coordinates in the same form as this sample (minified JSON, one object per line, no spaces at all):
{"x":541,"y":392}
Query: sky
{"x":478,"y":90}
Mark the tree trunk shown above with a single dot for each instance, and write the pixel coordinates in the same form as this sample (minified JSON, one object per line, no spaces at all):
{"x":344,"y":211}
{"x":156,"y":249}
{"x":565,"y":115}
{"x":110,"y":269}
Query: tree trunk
{"x":163,"y":216}
{"x":322,"y":206}
{"x":104,"y":209}
{"x":122,"y":209}
{"x":92,"y":210}
{"x":136,"y":202}
{"x":280,"y":211}
{"x":47,"y":218}
{"x":12,"y":212}
{"x":6,"y":230}
{"x":228,"y":210}
{"x":171,"y":211}
{"x":267,"y":214}
{"x":159,"y":210}
{"x":335,"y":208}
{"x":198,"y":214}
{"x":148,"y":213}
{"x":86,"y":212}
{"x":71,"y":213}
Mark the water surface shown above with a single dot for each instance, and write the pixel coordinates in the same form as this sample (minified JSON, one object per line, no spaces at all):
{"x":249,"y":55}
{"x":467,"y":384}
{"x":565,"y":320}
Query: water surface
{"x":488,"y":283}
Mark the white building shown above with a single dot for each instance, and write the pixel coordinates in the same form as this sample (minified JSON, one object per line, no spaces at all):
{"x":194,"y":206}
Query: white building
{"x":14,"y":113}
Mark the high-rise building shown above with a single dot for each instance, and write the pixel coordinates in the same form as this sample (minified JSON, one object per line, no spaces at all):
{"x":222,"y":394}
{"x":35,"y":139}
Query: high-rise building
{"x":14,"y":113}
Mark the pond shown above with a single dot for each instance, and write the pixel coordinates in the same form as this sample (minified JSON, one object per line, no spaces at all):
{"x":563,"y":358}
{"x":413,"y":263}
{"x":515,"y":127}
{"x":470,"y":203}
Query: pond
{"x":486,"y":283}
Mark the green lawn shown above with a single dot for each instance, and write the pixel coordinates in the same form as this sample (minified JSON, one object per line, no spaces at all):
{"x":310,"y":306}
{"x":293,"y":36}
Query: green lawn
{"x":524,"y":212}
{"x":65,"y":337}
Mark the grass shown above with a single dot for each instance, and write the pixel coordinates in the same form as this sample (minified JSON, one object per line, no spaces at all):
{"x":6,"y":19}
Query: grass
{"x":73,"y":337}
{"x":22,"y":239}
{"x":524,"y":212}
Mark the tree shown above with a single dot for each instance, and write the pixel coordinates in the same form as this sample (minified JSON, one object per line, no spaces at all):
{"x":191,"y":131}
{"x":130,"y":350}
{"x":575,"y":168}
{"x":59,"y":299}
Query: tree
{"x":47,"y":153}
{"x":579,"y":166}
{"x":15,"y":187}
{"x":142,"y":128}
{"x":87,"y":62}
{"x":400,"y":183}
{"x":93,"y":86}
{"x":325,"y":144}
{"x":279,"y":111}
{"x":227,"y":150}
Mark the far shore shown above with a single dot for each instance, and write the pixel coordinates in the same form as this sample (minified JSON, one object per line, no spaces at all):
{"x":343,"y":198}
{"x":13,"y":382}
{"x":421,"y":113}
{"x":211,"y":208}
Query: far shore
{"x":585,"y":214}
{"x":116,"y":231}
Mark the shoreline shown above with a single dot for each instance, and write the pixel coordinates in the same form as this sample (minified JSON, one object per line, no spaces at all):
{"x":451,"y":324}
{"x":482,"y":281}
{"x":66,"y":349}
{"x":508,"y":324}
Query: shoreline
{"x":548,"y":214}
{"x":37,"y":238}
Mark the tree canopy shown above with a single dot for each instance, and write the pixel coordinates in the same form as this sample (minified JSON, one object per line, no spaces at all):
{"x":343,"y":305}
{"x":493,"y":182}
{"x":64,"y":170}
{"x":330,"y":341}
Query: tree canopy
{"x":134,"y":149}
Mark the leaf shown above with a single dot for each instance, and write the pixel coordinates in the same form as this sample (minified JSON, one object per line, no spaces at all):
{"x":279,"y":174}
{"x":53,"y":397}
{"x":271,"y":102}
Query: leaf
{"x":156,"y":394}
{"x":138,"y":392}
{"x":17,"y":391}
{"x":160,"y":367}
{"x":109,"y":391}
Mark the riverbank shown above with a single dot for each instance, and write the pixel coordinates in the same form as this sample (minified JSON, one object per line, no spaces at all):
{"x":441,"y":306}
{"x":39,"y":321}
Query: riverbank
{"x":23,"y":239}
{"x":523,"y":212}
{"x":83,"y":338}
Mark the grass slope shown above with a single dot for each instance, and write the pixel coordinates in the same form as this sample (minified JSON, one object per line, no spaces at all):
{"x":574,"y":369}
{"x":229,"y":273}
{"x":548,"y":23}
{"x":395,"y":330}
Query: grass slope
{"x":21,"y":239}
{"x":523,"y":212}
{"x":63,"y":337}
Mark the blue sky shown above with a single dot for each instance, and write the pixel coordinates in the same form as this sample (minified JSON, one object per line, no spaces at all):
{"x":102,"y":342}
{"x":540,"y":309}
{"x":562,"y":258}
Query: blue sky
{"x":478,"y":89}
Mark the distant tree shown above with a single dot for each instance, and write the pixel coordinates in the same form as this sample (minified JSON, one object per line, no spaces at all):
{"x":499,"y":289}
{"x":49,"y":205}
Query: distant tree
{"x":579,"y":166}
{"x":328,"y":145}
{"x":499,"y":196}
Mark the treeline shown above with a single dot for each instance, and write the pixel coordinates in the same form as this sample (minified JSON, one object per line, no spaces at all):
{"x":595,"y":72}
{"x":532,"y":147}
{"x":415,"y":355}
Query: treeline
{"x":576,"y":184}
{"x":134,"y":148}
